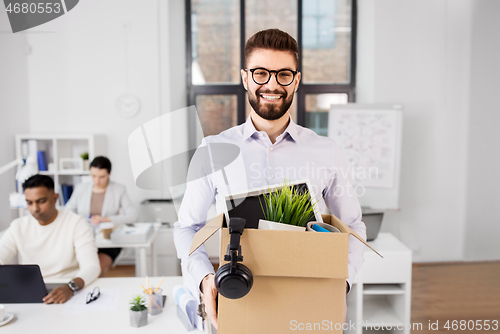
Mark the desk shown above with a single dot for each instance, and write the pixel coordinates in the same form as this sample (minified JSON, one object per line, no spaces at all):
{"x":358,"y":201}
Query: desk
{"x":140,"y":258}
{"x":40,"y":318}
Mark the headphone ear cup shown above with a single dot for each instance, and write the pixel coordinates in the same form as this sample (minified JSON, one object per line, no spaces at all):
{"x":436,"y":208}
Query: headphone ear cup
{"x":221,"y":272}
{"x":233,"y":286}
{"x":247,"y":274}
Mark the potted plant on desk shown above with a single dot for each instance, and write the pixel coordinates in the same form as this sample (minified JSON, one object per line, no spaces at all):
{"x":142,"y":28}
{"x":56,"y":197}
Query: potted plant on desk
{"x":138,"y":312}
{"x":286,"y":208}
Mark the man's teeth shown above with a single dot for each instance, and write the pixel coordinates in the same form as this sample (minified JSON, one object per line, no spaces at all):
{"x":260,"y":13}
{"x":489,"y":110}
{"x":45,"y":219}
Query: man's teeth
{"x":271,"y":97}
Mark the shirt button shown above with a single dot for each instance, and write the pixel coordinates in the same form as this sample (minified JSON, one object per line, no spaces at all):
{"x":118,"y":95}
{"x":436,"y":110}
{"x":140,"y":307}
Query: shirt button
{"x":272,"y":176}
{"x":271,"y":148}
{"x":261,"y":134}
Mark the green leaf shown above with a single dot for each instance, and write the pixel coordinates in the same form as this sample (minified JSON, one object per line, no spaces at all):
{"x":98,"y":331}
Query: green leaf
{"x":138,"y":304}
{"x":288,"y":205}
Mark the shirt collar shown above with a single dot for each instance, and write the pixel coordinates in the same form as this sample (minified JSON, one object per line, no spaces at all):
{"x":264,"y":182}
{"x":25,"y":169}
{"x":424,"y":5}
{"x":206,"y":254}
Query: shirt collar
{"x":249,"y":129}
{"x":292,"y":130}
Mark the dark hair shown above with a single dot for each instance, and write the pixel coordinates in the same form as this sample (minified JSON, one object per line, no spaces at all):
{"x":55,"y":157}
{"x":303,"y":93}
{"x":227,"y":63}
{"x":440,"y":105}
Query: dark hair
{"x":38,"y":180}
{"x":273,"y":39}
{"x":101,"y":163}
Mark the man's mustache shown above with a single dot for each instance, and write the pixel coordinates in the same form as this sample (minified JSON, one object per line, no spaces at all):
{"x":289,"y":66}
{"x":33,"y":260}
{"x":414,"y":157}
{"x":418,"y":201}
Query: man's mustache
{"x":259,"y":91}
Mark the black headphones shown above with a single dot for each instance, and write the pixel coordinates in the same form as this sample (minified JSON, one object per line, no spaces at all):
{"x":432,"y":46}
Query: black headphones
{"x":234,"y":280}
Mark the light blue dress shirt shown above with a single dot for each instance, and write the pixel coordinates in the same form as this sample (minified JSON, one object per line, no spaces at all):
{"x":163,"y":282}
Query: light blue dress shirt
{"x":297,"y":154}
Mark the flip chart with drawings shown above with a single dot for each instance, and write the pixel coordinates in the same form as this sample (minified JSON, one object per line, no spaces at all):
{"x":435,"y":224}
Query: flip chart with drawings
{"x":370,"y":137}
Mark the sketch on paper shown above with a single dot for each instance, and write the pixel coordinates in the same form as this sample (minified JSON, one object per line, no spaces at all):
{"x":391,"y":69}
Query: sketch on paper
{"x":368,"y":139}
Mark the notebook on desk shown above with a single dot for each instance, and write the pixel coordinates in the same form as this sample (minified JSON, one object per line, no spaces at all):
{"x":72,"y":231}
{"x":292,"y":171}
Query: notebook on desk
{"x":23,"y":284}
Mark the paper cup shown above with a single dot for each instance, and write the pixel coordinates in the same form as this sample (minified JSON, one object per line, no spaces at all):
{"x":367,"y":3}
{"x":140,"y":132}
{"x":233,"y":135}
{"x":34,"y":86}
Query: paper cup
{"x":107,"y":233}
{"x":106,"y":229}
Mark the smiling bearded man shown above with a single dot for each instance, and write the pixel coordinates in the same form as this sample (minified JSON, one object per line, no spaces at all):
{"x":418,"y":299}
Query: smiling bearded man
{"x":273,"y":149}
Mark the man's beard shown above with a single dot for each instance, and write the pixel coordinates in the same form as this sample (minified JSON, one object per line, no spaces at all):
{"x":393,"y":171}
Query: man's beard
{"x":269,"y":111}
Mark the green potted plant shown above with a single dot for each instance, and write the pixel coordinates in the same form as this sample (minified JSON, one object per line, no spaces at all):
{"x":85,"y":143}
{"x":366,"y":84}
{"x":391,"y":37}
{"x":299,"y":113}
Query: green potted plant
{"x":286,"y":208}
{"x":86,"y":162}
{"x":138,"y":312}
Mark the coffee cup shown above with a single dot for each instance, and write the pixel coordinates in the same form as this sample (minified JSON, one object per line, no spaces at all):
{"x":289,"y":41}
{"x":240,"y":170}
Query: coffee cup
{"x":107,"y":233}
{"x":107,"y":228}
{"x":2,"y":312}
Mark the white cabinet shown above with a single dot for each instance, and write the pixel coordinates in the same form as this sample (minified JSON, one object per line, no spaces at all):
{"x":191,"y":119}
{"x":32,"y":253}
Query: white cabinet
{"x":380,"y":298}
{"x":59,"y":150}
{"x":168,"y":263}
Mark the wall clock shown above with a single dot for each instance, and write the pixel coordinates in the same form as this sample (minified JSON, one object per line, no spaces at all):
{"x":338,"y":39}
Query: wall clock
{"x":127,"y":105}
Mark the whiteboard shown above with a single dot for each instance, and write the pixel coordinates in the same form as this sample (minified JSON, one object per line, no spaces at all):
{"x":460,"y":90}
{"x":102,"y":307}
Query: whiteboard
{"x":370,"y":137}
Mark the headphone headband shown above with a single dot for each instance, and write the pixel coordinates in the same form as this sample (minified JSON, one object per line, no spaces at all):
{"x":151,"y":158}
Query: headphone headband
{"x":234,"y":280}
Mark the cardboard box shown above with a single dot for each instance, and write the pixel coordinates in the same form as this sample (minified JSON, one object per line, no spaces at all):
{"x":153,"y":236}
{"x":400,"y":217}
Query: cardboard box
{"x":299,"y":278}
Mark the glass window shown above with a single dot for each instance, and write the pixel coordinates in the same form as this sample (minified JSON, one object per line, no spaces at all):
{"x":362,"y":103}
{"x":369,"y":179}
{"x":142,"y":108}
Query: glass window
{"x":217,"y":112}
{"x":326,"y":41}
{"x":218,"y":30}
{"x":264,"y":14}
{"x":317,"y":108}
{"x":215,"y":38}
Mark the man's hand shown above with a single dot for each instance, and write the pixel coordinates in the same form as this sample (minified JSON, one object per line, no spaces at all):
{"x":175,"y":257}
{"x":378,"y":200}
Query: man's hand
{"x":209,"y":294}
{"x":59,"y":295}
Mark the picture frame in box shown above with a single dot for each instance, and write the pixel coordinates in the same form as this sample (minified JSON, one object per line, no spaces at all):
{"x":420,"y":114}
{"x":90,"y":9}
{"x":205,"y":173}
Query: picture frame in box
{"x":250,"y":207}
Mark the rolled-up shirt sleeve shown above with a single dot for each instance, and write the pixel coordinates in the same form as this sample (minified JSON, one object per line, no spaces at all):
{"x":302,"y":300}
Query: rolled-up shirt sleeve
{"x":342,"y":201}
{"x":192,"y":217}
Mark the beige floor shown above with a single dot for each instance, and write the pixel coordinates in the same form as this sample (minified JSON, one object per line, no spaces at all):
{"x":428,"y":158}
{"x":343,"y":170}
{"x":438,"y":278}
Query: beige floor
{"x":456,"y":291}
{"x":121,"y":271}
{"x":440,"y":292}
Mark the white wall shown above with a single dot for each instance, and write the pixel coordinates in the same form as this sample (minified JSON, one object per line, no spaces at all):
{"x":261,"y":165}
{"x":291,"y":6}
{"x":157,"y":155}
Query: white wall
{"x":78,"y":65}
{"x":96,"y":52}
{"x":482,"y":231}
{"x":417,"y":53}
{"x":177,"y":54}
{"x":14,"y":110}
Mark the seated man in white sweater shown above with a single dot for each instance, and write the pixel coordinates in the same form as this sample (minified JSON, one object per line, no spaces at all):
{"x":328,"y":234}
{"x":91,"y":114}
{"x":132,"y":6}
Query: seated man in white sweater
{"x":60,"y":242}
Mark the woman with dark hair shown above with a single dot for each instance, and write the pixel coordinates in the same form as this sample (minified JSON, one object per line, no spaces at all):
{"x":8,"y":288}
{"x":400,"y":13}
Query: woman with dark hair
{"x":103,"y":200}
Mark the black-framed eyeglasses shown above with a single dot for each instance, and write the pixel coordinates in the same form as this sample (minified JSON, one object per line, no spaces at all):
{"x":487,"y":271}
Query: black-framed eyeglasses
{"x":93,"y":295}
{"x":261,"y":76}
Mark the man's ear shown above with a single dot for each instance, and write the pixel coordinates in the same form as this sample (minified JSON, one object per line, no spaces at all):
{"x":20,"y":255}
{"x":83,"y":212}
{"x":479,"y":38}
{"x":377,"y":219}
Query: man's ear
{"x":244,"y":78}
{"x":297,"y":80}
{"x":56,"y":196}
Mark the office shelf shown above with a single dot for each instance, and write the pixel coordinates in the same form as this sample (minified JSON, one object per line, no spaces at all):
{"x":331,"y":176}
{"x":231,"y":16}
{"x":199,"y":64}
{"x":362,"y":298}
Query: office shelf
{"x":74,"y":173}
{"x":57,"y":147}
{"x":383,"y":289}
{"x":380,"y":298}
{"x":46,"y":173}
{"x":379,"y":311}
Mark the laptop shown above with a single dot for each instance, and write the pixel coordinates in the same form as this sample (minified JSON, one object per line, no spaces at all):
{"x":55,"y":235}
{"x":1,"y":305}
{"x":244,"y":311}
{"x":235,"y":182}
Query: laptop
{"x":23,"y":284}
{"x":373,"y":220}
